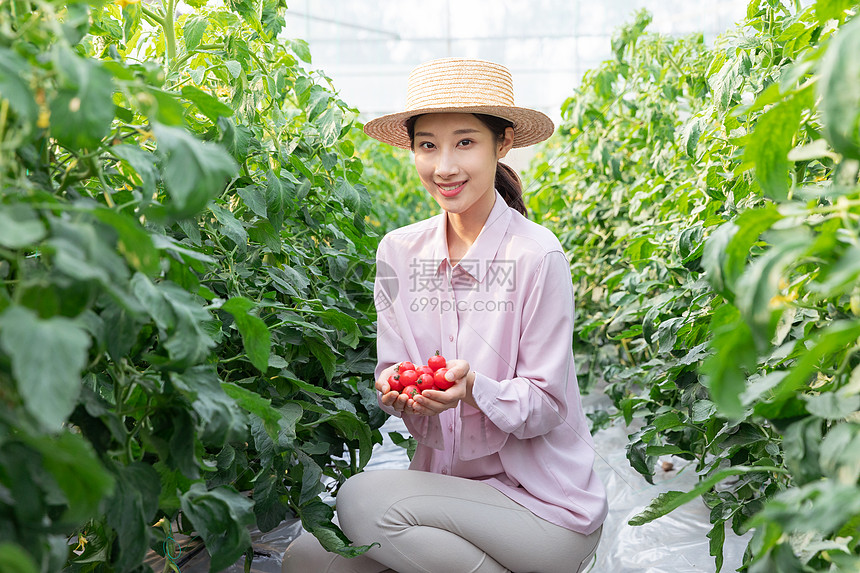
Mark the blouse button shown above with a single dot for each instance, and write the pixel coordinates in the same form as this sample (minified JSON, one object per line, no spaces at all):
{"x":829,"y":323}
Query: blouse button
{"x":445,"y":471}
{"x":451,"y":338}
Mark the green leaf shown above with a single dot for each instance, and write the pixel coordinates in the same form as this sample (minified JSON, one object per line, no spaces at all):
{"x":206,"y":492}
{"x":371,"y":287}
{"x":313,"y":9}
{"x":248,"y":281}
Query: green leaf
{"x":218,"y":416}
{"x":324,"y":354}
{"x":179,"y":316}
{"x":832,"y":406}
{"x":20,"y":226}
{"x":257,"y":405}
{"x":831,"y":9}
{"x":143,"y":162}
{"x":749,"y":226}
{"x":269,"y":510}
{"x":407,"y":443}
{"x":13,"y":88}
{"x":840,"y":453}
{"x":70,"y":459}
{"x":209,"y":105}
{"x":829,"y":342}
{"x":231,"y":227}
{"x":131,"y":511}
{"x":193,"y":30}
{"x":691,"y":134}
{"x":316,"y":517}
{"x":348,"y":195}
{"x":759,"y":285}
{"x":13,"y":559}
{"x":164,"y":107}
{"x":221,"y":517}
{"x":717,"y":538}
{"x":671,"y":500}
{"x":330,"y":123}
{"x":255,"y":199}
{"x":839,"y":88}
{"x":733,"y":359}
{"x":234,"y":67}
{"x":301,"y":49}
{"x":133,"y":241}
{"x":769,"y":146}
{"x":255,"y":334}
{"x":194,"y":171}
{"x":82,"y":110}
{"x":47,"y":358}
{"x":131,"y":14}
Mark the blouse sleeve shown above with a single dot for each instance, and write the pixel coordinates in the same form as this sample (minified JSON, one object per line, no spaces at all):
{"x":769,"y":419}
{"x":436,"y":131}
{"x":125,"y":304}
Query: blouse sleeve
{"x":392,"y":346}
{"x":535,"y":401}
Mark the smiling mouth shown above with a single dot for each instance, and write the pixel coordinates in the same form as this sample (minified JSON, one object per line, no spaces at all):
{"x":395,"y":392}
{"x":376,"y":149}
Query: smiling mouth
{"x":451,"y":189}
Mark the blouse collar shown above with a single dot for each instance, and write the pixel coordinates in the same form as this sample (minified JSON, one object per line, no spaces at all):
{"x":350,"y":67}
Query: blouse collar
{"x":483,"y":250}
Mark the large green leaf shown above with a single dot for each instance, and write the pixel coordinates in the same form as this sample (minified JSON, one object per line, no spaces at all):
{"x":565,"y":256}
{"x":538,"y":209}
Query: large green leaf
{"x":209,"y":105}
{"x":19,"y":226}
{"x":255,"y":333}
{"x":70,"y":459}
{"x":671,"y":500}
{"x":220,"y":421}
{"x":255,"y":404}
{"x":132,"y":510}
{"x":769,"y":146}
{"x":13,"y":559}
{"x":839,"y":88}
{"x":194,"y":171}
{"x":82,"y":110}
{"x":47,"y":359}
{"x":13,"y":88}
{"x":221,"y":517}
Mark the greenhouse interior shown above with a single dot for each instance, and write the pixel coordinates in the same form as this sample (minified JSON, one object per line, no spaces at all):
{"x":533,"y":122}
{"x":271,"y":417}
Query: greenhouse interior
{"x":600,"y":258}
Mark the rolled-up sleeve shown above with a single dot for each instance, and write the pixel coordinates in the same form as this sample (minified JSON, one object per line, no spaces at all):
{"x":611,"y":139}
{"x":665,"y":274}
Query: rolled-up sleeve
{"x":534,"y":401}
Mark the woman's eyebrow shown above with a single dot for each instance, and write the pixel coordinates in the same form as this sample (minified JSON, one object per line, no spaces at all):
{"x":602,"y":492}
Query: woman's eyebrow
{"x":456,"y":132}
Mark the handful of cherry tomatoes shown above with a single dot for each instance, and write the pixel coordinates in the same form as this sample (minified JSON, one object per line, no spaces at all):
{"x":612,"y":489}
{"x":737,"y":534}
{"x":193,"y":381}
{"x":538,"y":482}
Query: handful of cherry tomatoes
{"x":411,"y":380}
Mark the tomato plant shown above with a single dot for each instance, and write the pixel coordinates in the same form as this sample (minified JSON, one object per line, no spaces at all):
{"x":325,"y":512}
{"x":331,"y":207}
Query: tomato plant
{"x":709,"y":200}
{"x":186,"y":262}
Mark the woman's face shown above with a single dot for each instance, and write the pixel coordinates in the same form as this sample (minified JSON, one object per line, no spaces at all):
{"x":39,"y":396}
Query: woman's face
{"x":456,"y":156}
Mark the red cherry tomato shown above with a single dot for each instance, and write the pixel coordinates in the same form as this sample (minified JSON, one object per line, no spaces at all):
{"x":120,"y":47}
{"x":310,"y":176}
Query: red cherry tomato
{"x":404,"y":366}
{"x":436,"y":361}
{"x":425,"y":382}
{"x":411,"y":390}
{"x":439,"y":379}
{"x":394,"y":383}
{"x":424,"y":370}
{"x":408,"y":377}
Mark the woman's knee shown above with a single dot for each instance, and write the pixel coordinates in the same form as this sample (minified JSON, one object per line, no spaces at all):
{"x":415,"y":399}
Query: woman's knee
{"x":305,"y":554}
{"x":362,"y":501}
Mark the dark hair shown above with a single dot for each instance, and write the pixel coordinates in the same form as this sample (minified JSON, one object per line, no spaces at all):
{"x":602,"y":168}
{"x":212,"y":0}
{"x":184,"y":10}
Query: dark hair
{"x":507,"y":181}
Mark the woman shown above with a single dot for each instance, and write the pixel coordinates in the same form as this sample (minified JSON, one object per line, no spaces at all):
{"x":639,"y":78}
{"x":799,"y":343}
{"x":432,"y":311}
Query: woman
{"x":502,"y":477}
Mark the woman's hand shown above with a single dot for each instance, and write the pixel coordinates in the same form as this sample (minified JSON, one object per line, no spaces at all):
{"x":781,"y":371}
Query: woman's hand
{"x":394,"y":400}
{"x":433,"y":402}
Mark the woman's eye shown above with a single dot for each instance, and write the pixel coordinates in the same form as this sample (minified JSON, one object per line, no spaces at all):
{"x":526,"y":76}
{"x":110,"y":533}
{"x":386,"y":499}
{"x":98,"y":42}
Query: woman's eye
{"x":465,"y":142}
{"x":425,"y":145}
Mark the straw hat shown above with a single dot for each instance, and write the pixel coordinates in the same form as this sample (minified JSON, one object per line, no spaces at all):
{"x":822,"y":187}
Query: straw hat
{"x":462,"y":86}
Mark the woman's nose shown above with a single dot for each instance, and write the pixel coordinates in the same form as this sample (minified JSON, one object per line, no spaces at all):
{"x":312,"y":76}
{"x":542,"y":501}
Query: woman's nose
{"x":446,"y":165}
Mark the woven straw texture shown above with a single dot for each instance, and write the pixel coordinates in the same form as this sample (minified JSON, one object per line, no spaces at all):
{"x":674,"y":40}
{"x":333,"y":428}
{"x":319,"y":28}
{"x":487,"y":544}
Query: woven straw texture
{"x":462,"y":86}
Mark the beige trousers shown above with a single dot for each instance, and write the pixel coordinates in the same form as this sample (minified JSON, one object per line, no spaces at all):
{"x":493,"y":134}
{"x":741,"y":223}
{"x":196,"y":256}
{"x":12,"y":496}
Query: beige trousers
{"x":431,"y":523}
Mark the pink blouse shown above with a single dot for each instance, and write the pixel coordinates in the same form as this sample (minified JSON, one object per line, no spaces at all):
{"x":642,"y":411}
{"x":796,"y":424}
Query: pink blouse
{"x":506,"y":308}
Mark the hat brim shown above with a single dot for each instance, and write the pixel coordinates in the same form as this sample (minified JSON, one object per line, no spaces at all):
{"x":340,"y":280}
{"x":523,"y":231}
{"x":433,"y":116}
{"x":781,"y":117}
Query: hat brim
{"x":530,"y":126}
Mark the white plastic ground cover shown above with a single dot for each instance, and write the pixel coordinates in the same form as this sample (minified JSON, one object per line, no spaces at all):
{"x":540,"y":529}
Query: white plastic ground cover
{"x":675,"y":543}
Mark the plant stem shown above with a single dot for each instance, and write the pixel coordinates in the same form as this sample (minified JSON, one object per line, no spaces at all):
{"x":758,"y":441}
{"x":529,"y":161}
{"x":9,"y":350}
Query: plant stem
{"x":152,"y":16}
{"x":169,"y":33}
